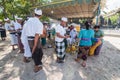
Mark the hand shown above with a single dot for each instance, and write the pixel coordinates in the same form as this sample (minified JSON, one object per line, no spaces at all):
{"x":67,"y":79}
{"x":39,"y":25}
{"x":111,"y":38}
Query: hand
{"x":33,"y":50}
{"x":99,"y":39}
{"x":67,"y":36}
{"x":77,"y":39}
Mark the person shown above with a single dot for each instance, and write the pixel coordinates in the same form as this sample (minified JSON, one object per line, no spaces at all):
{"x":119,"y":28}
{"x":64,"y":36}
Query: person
{"x":33,"y":31}
{"x":9,"y":26}
{"x":68,"y":30}
{"x":99,"y":35}
{"x":85,"y":36}
{"x":2,"y":31}
{"x":53,"y":37}
{"x":49,"y":32}
{"x":53,"y":33}
{"x":73,"y":34}
{"x":18,"y":28}
{"x":109,"y":22}
{"x":59,"y":40}
{"x":24,"y":40}
{"x":43,"y":39}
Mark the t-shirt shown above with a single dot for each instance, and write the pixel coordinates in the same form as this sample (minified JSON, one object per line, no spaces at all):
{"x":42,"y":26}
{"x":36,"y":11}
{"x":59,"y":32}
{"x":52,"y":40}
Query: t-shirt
{"x":48,"y":29}
{"x":86,"y":36}
{"x":53,"y":31}
{"x":33,"y":26}
{"x":60,"y":29}
{"x":99,"y":34}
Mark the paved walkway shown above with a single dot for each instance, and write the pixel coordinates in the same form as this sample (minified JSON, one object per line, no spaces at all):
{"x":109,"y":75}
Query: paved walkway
{"x":114,"y":33}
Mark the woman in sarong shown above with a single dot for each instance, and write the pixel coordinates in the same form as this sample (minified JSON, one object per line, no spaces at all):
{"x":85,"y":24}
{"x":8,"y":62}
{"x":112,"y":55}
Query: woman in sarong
{"x":85,"y":43}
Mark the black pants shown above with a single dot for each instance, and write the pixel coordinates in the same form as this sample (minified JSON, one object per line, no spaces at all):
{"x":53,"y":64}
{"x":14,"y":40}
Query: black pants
{"x":3,"y":33}
{"x":38,"y":53}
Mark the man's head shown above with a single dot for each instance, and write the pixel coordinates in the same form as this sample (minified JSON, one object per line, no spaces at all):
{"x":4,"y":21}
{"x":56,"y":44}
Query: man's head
{"x":45,"y":23}
{"x":19,"y":20}
{"x":7,"y":20}
{"x":96,"y":27}
{"x":87,"y":25}
{"x":64,"y":21}
{"x":38,"y":13}
{"x":72,"y":26}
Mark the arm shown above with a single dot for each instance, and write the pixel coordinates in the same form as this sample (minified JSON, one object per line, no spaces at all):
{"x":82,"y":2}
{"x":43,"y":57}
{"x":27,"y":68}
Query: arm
{"x":44,"y":33}
{"x":35,"y":42}
{"x":60,"y":36}
{"x":11,"y":31}
{"x":39,"y":32}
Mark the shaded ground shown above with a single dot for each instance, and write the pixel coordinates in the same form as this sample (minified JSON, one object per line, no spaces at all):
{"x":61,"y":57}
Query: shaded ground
{"x":106,"y":66}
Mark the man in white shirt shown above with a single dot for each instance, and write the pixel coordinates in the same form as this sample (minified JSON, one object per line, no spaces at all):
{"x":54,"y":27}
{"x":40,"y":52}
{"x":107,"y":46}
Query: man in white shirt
{"x":33,"y":30}
{"x":59,"y":40}
{"x":73,"y":34}
{"x":9,"y":26}
{"x":18,"y":28}
{"x":24,"y":40}
{"x":2,"y":31}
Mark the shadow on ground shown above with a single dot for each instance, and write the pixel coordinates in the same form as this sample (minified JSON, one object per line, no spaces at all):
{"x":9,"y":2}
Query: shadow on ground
{"x":106,"y":66}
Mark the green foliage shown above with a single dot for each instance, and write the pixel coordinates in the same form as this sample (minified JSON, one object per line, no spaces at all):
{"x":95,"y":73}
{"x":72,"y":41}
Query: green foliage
{"x":44,"y":18}
{"x":113,"y":18}
{"x":20,"y":8}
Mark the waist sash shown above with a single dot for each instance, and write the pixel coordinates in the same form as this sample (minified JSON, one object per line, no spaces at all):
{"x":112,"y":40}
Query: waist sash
{"x":86,"y":39}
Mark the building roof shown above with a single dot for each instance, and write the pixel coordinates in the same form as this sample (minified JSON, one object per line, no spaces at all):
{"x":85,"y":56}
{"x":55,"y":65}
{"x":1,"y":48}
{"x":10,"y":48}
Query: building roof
{"x":71,"y":8}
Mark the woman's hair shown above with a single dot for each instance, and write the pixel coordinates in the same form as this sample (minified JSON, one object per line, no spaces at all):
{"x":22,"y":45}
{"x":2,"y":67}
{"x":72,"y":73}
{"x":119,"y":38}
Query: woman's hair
{"x":87,"y":25}
{"x":96,"y":26}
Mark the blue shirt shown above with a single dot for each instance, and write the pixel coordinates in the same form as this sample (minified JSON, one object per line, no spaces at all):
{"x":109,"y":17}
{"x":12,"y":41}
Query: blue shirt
{"x":85,"y":37}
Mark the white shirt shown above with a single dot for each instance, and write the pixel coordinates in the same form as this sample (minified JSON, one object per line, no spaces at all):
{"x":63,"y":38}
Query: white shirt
{"x":60,"y":29}
{"x":8,"y":26}
{"x":17,"y":26}
{"x":33,"y":26}
{"x":73,"y":33}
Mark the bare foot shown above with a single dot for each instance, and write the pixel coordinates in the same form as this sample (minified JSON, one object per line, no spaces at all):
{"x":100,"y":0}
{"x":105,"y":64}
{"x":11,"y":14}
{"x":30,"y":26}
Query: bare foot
{"x":83,"y":64}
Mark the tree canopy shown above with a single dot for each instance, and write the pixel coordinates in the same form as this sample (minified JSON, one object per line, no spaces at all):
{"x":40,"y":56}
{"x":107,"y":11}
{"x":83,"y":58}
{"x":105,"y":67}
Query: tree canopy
{"x":22,"y":8}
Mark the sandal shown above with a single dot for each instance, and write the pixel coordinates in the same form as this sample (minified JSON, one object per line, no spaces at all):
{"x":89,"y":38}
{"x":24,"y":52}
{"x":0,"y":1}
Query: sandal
{"x":37,"y":69}
{"x":77,"y":60}
{"x":13,"y":49}
{"x":26,"y":60}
